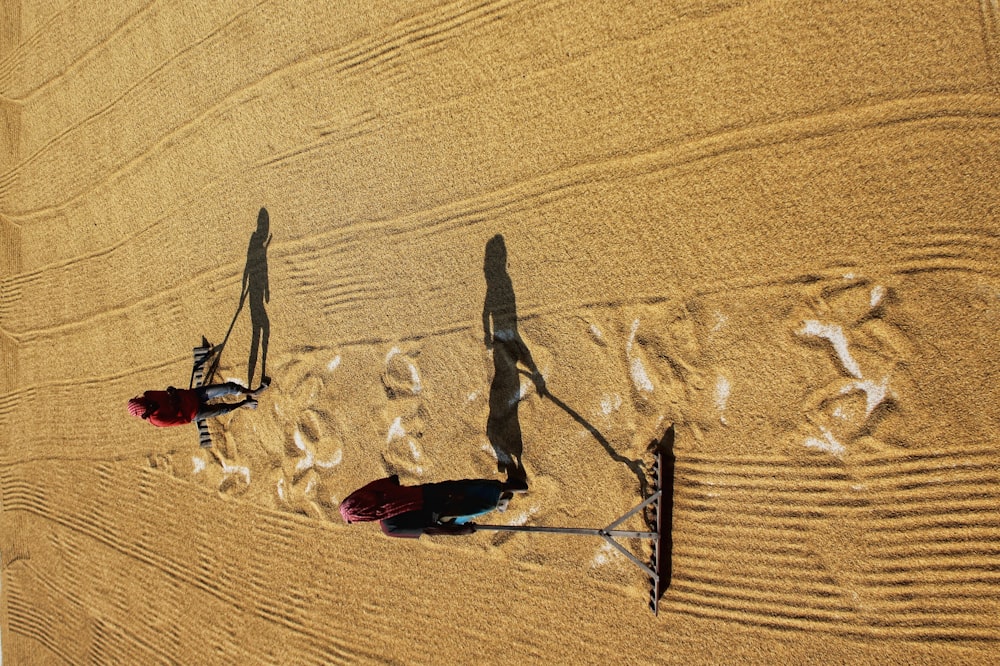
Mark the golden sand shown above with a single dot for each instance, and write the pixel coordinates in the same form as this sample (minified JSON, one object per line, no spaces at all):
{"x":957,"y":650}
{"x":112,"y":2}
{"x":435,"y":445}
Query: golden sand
{"x":773,"y":224}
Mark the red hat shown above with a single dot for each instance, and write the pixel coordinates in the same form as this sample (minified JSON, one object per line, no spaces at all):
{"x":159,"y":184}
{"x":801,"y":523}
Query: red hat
{"x":137,"y":407}
{"x":381,"y":499}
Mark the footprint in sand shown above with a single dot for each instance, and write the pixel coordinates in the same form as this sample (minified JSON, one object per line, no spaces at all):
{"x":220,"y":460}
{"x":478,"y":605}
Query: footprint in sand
{"x":661,"y":352}
{"x":846,"y":321}
{"x":285,"y":454}
{"x":404,"y":413}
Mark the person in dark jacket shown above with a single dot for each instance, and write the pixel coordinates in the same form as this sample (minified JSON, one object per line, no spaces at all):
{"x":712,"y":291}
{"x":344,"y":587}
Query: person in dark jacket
{"x":430,"y":508}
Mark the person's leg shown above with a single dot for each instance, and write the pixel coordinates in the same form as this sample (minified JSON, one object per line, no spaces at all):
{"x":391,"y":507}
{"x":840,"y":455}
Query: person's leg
{"x":213,"y":391}
{"x":514,"y":484}
{"x":221,"y":409}
{"x":465,"y":500}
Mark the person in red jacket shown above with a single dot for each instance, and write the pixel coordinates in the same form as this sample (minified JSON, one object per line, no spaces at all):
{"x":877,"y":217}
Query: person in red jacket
{"x":179,"y":406}
{"x":430,"y":508}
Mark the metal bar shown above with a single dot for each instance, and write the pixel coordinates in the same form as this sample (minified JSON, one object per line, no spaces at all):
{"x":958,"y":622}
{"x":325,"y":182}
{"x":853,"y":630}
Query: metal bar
{"x":538,"y":528}
{"x":585,"y":531}
{"x":635,"y":560}
{"x":625,"y":534}
{"x":639,"y":507}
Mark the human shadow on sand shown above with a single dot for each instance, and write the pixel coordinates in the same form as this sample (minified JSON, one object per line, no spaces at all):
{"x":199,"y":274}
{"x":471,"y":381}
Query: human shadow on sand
{"x":256,"y":290}
{"x":503,"y":426}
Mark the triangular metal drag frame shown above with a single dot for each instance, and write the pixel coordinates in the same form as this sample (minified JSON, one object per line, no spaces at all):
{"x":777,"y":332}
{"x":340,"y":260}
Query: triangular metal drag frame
{"x":658,"y":578}
{"x":201,"y":354}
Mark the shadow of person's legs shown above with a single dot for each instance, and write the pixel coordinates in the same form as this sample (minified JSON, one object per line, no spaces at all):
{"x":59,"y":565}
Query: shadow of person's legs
{"x":261,"y":335}
{"x":503,"y":426}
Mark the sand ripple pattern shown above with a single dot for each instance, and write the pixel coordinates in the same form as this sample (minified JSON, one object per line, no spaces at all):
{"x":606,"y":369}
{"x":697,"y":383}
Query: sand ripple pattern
{"x":845,"y":530}
{"x":917,"y":536}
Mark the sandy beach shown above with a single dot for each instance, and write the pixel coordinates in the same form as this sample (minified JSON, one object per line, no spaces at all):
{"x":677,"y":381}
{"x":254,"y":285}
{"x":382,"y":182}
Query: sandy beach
{"x":771,"y":225}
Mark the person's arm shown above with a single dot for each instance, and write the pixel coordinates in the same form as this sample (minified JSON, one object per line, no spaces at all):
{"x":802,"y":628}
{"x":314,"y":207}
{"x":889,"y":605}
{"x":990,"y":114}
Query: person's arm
{"x":175,"y":397}
{"x":409,"y":525}
{"x":525,"y":357}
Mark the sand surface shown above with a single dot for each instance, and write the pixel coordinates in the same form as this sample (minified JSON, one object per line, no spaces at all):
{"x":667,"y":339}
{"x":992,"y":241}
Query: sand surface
{"x":773,"y":224}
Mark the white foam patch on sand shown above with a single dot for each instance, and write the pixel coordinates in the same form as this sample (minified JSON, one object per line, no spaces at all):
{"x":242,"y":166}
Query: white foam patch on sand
{"x":835,"y":334}
{"x":228,"y":469}
{"x":720,"y":321}
{"x":396,"y":430}
{"x":610,"y":404}
{"x":307,"y":459}
{"x":522,"y":518}
{"x":605,"y":554}
{"x":310,"y":485}
{"x":722,"y":388}
{"x":878,"y":293}
{"x":334,"y":460}
{"x":281,"y":488}
{"x":414,"y":450}
{"x":334,"y":364}
{"x":472,"y":396}
{"x":198,"y":463}
{"x":414,"y":377}
{"x":639,"y":376}
{"x":829,"y":443}
{"x":596,"y":332}
{"x":631,"y":337}
{"x":875,"y":392}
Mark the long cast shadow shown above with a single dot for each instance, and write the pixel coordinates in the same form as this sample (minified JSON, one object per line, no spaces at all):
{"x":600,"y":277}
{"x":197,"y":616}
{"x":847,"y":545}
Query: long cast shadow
{"x":258,"y":292}
{"x":503,"y":426}
{"x":635,"y":466}
{"x":256,"y":289}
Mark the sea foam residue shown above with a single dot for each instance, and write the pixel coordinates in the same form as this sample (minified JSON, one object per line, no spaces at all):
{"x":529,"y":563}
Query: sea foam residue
{"x":722,"y":388}
{"x":829,"y":443}
{"x":604,"y":555}
{"x":396,"y":430}
{"x":836,"y":337}
{"x":875,"y":392}
{"x":307,"y":456}
{"x":610,"y":404}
